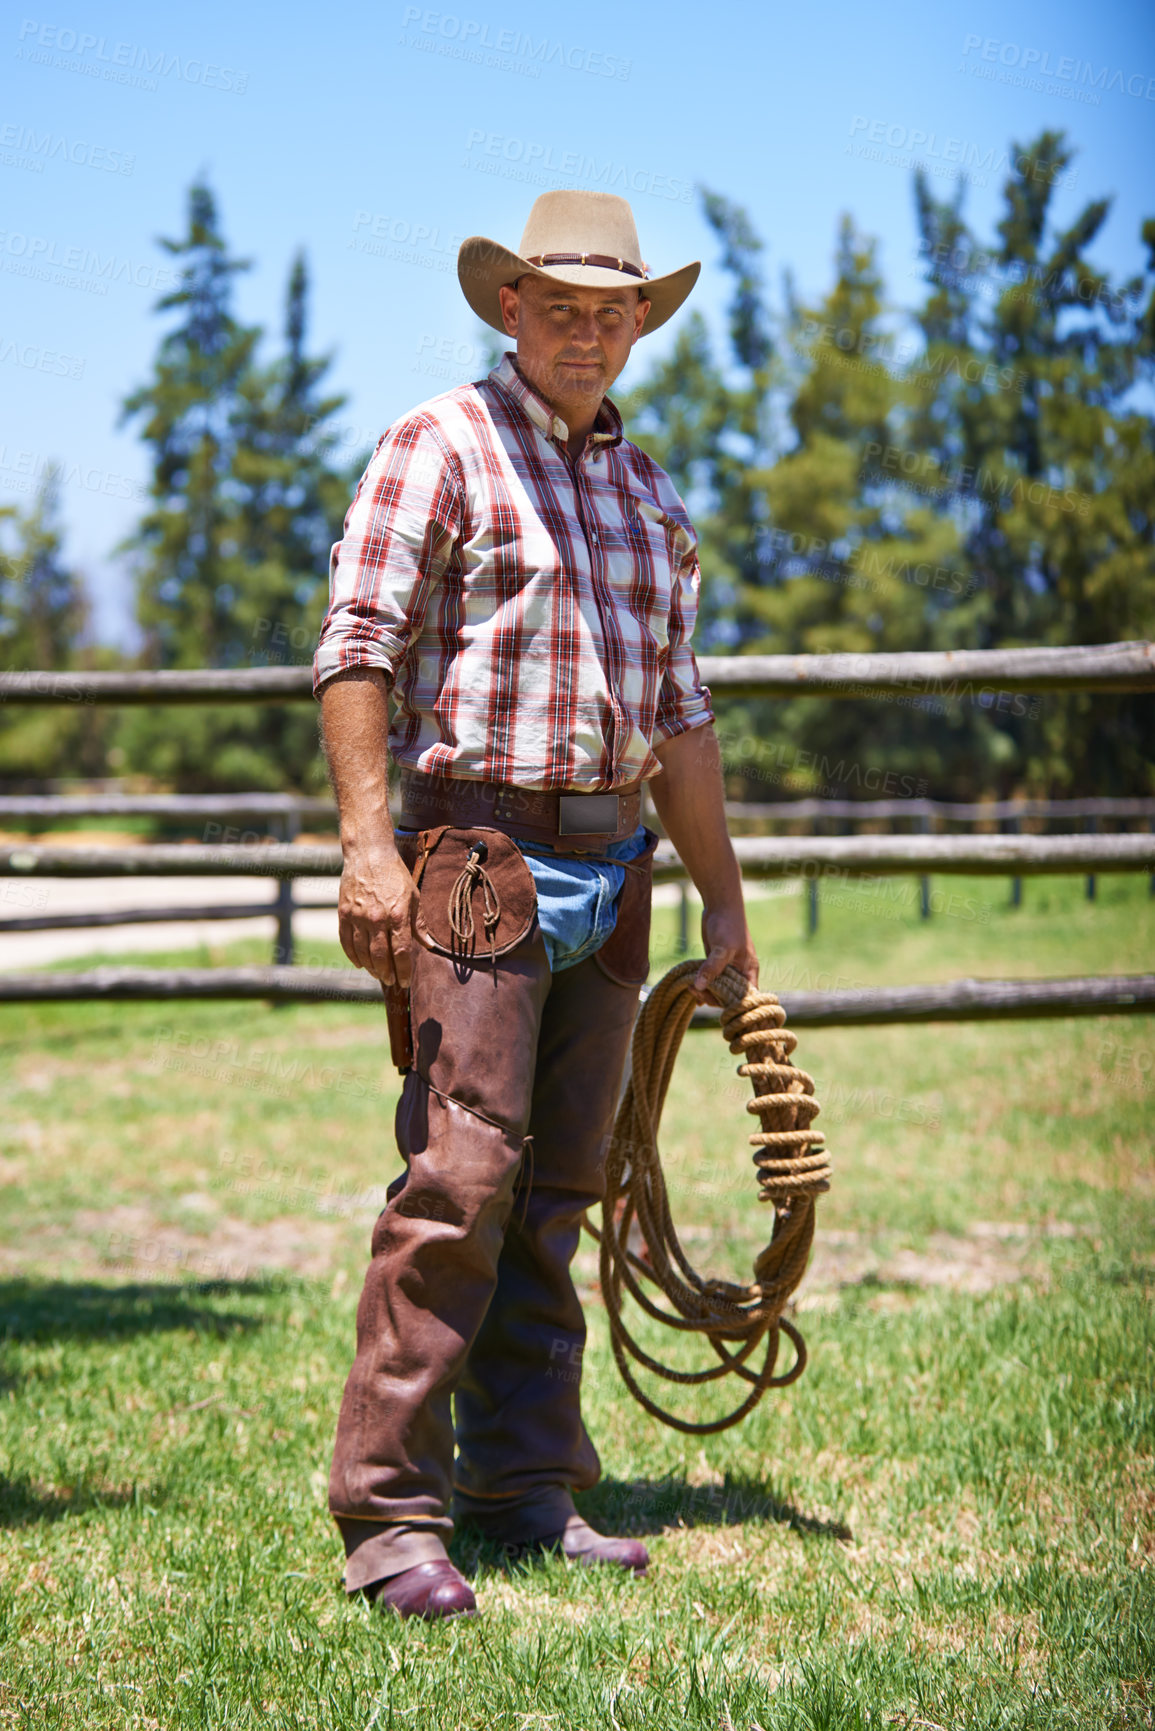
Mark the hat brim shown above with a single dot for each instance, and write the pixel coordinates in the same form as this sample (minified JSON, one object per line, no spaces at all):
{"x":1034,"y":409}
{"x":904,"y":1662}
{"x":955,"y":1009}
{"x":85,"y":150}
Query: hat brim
{"x":485,"y":266}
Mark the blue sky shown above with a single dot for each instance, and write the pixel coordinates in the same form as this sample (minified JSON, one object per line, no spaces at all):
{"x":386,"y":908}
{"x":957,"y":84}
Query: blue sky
{"x":377,"y":137}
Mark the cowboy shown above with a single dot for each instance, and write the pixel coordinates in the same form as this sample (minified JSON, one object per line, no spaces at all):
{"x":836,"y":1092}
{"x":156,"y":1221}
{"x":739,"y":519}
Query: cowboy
{"x":522,"y":582}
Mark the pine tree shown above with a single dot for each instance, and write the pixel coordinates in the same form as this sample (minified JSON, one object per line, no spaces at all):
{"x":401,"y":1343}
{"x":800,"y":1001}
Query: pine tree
{"x":710,"y":425}
{"x":1035,"y":354}
{"x":187,"y":542}
{"x":233,"y":552}
{"x":292,"y":499}
{"x":43,"y":624}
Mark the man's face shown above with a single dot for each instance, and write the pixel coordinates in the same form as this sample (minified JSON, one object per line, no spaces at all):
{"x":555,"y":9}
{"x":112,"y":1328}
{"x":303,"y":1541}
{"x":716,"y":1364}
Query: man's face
{"x":572,"y":342}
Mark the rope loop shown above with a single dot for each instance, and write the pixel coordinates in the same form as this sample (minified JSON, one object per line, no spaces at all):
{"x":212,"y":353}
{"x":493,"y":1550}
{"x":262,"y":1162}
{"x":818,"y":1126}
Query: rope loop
{"x":793,"y":1169}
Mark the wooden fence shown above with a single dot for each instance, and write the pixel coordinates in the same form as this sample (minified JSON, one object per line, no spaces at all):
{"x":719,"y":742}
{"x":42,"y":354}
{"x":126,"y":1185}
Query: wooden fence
{"x":972,"y":675}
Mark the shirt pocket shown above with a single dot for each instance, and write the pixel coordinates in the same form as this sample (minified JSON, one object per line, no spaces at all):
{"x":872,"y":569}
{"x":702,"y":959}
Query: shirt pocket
{"x":645,"y":561}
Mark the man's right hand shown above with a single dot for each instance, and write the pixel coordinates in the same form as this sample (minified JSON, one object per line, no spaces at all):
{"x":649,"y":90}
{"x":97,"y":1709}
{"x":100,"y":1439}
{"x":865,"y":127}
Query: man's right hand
{"x":376,"y":913}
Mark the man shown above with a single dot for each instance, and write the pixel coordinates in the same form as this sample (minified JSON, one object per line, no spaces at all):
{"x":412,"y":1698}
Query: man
{"x":523,"y":582}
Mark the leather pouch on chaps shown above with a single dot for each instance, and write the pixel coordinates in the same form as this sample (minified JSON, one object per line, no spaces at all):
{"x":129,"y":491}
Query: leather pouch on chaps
{"x":625,"y":955}
{"x":478,"y":899}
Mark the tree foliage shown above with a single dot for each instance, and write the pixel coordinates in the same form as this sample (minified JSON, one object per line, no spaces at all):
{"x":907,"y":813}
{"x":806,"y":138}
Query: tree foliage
{"x":231,"y":556}
{"x":43,"y":624}
{"x":978,"y":473}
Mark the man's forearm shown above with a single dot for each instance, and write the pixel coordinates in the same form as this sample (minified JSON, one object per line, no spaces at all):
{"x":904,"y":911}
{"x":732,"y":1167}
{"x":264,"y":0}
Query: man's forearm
{"x":378,"y":901}
{"x":355,"y":726}
{"x":689,"y":799}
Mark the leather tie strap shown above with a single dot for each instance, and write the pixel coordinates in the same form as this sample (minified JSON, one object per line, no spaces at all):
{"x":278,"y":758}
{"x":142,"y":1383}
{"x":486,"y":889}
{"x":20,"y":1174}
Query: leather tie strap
{"x":461,"y":901}
{"x":602,"y":260}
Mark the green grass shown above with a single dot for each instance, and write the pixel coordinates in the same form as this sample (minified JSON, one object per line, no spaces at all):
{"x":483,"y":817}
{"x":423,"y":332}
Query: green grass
{"x":948,"y":1521}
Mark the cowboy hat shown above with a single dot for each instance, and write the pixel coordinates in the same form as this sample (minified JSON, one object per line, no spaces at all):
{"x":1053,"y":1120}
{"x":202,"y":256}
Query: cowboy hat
{"x":586,"y":238}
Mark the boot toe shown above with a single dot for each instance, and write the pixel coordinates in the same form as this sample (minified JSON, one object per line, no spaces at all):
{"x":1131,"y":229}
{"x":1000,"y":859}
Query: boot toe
{"x":581,"y":1544}
{"x":430,"y":1590}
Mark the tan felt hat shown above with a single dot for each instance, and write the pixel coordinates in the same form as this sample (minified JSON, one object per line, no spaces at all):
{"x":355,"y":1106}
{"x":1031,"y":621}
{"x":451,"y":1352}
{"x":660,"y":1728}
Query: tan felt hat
{"x":574,"y":237}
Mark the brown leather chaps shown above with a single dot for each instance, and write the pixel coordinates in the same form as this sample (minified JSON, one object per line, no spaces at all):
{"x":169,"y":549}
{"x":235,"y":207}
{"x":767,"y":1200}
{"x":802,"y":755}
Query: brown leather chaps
{"x":469,"y":1329}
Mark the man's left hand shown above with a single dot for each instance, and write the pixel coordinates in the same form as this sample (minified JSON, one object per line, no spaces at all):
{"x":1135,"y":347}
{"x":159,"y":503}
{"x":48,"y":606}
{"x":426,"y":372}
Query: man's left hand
{"x":726,"y":941}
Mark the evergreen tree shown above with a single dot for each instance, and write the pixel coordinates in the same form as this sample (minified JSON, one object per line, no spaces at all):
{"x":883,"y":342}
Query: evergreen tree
{"x":188,"y":541}
{"x":711,"y":426}
{"x":43,"y":622}
{"x":987,"y":479}
{"x":233,"y":552}
{"x":1035,"y":354}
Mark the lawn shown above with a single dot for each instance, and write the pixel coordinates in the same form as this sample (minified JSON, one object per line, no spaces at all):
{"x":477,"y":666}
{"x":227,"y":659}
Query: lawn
{"x":948,"y":1521}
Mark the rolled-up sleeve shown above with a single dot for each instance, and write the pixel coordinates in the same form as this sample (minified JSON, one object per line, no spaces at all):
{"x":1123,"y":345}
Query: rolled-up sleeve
{"x":401,"y":531}
{"x":683,"y":701}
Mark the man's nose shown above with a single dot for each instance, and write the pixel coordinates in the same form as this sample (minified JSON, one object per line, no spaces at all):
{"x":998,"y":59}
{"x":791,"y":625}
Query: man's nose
{"x":585,"y":330}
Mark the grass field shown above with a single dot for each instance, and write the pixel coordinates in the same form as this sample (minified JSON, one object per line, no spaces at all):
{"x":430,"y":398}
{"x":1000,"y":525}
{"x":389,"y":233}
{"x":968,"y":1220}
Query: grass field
{"x":948,"y":1521}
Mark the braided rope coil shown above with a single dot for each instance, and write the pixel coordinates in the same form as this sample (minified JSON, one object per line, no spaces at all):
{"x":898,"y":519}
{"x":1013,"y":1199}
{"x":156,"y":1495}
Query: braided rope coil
{"x":793,"y":1168}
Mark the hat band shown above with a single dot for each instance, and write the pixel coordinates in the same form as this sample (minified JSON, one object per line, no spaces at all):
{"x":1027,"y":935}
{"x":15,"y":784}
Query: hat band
{"x":602,"y":260}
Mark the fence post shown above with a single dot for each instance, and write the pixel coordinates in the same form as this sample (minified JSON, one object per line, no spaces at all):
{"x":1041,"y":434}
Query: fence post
{"x":286,"y":830}
{"x":1014,"y":827}
{"x":1091,"y":827}
{"x":683,"y":919}
{"x":812,"y":887}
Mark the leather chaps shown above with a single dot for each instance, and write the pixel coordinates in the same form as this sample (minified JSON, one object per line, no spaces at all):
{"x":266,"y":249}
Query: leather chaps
{"x":470,"y":1333}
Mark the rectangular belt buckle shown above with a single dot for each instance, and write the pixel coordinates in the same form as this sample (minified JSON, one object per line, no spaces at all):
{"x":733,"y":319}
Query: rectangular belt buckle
{"x":587,"y":814}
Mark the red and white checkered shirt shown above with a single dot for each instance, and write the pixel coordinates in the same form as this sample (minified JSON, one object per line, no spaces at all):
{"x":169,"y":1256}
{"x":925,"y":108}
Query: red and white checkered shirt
{"x":533,"y":613}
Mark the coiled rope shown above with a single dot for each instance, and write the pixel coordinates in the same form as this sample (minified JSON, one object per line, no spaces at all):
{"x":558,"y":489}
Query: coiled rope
{"x":793,"y":1168}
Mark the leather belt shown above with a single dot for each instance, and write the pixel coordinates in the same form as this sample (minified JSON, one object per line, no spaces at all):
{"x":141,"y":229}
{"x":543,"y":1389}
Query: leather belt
{"x":570,"y":822}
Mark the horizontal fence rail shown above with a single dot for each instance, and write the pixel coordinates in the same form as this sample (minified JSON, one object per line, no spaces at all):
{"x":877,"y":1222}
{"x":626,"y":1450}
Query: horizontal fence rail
{"x":181,"y":806}
{"x":161,"y":916}
{"x":954,"y":1001}
{"x":954,"y":673}
{"x":949,"y":674}
{"x":943,"y":811}
{"x":758,"y":856}
{"x":274,"y":806}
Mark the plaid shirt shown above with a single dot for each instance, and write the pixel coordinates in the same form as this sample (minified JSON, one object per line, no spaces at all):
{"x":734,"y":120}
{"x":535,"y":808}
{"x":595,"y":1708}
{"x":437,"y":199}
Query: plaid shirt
{"x":533,"y":613}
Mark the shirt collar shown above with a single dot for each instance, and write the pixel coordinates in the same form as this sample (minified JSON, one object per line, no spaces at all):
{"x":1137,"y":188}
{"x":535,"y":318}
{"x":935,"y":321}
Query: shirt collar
{"x":607,"y":429}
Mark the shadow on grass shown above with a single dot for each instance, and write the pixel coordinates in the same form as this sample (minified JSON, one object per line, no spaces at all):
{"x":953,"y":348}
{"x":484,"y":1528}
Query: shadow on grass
{"x":26,"y":1502}
{"x":652,"y":1505}
{"x":86,"y":1310}
{"x":633,"y":1507}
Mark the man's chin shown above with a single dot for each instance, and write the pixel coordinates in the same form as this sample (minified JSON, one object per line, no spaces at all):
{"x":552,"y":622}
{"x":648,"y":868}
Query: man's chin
{"x":581,"y":381}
